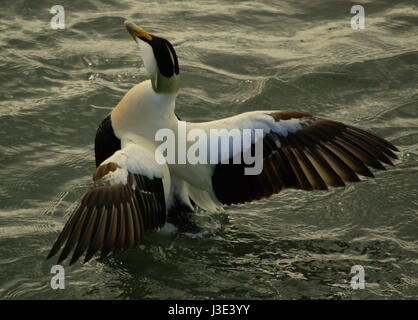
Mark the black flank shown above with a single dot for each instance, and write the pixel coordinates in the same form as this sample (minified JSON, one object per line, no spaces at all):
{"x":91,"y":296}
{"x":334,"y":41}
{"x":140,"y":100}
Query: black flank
{"x":105,"y":143}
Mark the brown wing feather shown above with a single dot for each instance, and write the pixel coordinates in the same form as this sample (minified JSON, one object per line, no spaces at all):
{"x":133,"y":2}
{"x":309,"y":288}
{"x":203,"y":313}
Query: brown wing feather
{"x":112,"y":217}
{"x":323,"y":153}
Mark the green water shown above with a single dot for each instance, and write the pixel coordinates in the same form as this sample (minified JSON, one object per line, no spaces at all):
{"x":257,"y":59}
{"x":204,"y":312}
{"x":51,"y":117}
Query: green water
{"x":235,"y":56}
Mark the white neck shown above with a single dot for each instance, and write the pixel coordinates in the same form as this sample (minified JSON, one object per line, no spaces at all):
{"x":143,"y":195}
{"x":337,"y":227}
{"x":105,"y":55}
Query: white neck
{"x":142,"y":111}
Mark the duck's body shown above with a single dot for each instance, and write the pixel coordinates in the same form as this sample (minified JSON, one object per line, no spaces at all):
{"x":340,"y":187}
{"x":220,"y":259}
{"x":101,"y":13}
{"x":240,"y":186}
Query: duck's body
{"x":140,"y":122}
{"x":133,"y":190}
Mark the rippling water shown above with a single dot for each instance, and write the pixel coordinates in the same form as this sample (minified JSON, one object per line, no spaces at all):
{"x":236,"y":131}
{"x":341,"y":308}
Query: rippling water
{"x":235,"y":56}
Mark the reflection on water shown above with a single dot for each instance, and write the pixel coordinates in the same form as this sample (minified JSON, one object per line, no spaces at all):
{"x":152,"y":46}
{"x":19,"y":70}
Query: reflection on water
{"x":57,"y":85}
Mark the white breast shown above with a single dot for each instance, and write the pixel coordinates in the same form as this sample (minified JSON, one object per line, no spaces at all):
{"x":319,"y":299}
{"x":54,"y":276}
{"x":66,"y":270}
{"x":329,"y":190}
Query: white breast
{"x":143,"y":112}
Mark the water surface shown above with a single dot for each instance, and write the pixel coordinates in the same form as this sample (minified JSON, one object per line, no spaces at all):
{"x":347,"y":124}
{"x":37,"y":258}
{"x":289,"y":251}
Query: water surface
{"x":235,"y":56}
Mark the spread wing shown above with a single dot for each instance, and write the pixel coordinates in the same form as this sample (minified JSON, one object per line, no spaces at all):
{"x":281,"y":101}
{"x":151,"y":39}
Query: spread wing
{"x":300,"y":152}
{"x":125,"y":199}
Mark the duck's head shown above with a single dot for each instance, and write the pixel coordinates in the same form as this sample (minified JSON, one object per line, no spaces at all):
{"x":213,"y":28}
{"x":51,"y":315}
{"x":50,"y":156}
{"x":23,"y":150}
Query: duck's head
{"x":159,"y":58}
